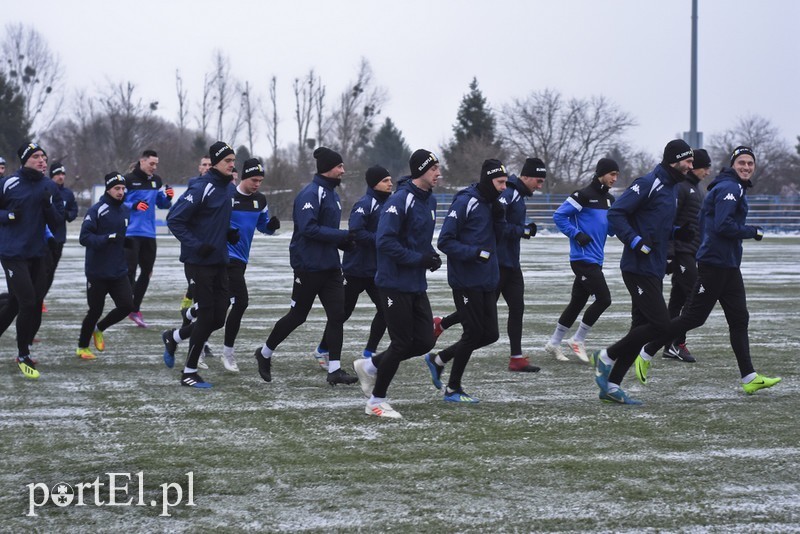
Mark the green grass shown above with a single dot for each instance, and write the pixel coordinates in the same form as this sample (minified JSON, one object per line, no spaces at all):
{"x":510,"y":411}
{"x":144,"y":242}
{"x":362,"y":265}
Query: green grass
{"x":539,"y":453}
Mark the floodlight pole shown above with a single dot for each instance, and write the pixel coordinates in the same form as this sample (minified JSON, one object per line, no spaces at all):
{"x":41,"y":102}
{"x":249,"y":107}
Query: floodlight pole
{"x":693,"y":137}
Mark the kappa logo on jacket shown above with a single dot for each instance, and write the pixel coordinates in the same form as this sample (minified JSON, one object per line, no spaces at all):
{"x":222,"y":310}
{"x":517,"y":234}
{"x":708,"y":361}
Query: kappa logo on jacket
{"x":361,"y":210}
{"x":635,"y":188}
{"x":189,"y":198}
{"x":307,"y":206}
{"x":453,"y":214}
{"x":730,"y":196}
{"x":392,"y":209}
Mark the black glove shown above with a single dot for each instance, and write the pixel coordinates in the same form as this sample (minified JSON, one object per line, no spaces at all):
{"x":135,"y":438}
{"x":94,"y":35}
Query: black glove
{"x":583,"y":239}
{"x":670,"y":266}
{"x":47,"y":200}
{"x":643,"y":246}
{"x":206,"y":250}
{"x":141,"y":206}
{"x":14,"y":215}
{"x":498,"y":211}
{"x":483,"y":256}
{"x":432,"y":262}
{"x":684,"y":233}
{"x":530,"y":230}
{"x":233,"y":235}
{"x":759,"y":233}
{"x":349,"y":244}
{"x":273,"y":224}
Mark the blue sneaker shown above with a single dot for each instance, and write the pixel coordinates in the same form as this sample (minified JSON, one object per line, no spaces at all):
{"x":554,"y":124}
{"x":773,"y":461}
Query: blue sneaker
{"x":618,"y":396}
{"x":193,"y":380}
{"x":436,"y":370}
{"x":601,"y":370}
{"x":368,"y":354}
{"x":459,"y":396}
{"x":170,"y":345}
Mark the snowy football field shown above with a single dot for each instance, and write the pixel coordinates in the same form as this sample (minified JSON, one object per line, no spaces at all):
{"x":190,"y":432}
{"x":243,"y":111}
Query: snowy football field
{"x":539,"y":453}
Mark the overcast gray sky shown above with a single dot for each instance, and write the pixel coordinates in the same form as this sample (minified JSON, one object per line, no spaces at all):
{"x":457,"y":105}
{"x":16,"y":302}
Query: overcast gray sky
{"x":636,"y":52}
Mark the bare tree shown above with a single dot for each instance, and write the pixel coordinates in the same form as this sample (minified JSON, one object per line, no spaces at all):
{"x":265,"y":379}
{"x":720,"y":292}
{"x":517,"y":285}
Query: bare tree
{"x":204,"y":118}
{"x":271,"y":117}
{"x":222,"y":94}
{"x":36,"y":71}
{"x":776,"y":163}
{"x":569,"y":136}
{"x":250,"y":106}
{"x":305,"y":93}
{"x":323,"y":120}
{"x":359,"y":105}
{"x":183,"y":102}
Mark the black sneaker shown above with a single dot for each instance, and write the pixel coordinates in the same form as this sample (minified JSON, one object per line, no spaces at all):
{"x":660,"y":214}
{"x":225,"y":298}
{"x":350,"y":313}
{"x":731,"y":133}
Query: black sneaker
{"x":678,"y":352}
{"x":264,"y":366}
{"x":193,"y":380}
{"x":170,"y":346}
{"x":339,"y":376}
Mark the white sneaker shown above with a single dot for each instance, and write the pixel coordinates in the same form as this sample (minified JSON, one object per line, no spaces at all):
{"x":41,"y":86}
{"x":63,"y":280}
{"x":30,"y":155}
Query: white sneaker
{"x":201,"y":362}
{"x":365,"y":380}
{"x":230,"y":363}
{"x":579,"y":348}
{"x":322,"y":359}
{"x":555,"y":350}
{"x":382,"y":410}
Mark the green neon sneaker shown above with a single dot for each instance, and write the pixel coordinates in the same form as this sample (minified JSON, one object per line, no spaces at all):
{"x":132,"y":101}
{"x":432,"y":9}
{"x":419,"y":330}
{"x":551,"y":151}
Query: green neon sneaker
{"x":99,"y":341}
{"x":642,"y":366}
{"x":759,"y":382}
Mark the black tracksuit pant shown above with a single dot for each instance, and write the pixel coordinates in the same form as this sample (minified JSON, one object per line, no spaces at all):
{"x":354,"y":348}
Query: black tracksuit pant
{"x":240,"y":300}
{"x":140,"y":252}
{"x":212,"y":297}
{"x":649,"y":320}
{"x":478,"y":312}
{"x":684,"y":277}
{"x":96,"y":290}
{"x":408,"y":318}
{"x":723,"y":285}
{"x":27,"y":282}
{"x":589,"y":280}
{"x":329,"y":286}
{"x":353,"y":287}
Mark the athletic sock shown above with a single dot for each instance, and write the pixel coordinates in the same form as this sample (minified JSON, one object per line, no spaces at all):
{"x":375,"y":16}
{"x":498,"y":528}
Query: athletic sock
{"x":227,"y":351}
{"x":558,"y":334}
{"x":373,"y":400}
{"x":612,"y":387}
{"x":644,"y":355}
{"x":515,"y":356}
{"x":438,"y":360}
{"x":334,"y":365}
{"x":583,"y":330}
{"x":190,"y":312}
{"x":176,"y":335}
{"x":266,"y":351}
{"x":187,"y":370}
{"x":369,"y":367}
{"x":605,"y":358}
{"x":749,"y":378}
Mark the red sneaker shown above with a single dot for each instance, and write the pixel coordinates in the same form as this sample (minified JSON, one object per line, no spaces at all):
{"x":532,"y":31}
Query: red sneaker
{"x":521,"y":365}
{"x":437,"y":327}
{"x":136,"y":317}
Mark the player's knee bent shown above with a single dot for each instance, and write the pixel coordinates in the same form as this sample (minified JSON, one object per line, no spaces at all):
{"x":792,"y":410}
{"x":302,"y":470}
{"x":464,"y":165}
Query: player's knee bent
{"x":603,"y":302}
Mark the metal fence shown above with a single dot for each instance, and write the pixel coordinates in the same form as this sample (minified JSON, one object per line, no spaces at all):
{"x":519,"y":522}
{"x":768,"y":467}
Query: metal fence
{"x":772,"y":212}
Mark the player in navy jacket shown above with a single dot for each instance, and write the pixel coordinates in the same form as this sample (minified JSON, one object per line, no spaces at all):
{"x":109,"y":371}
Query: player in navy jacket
{"x":28,"y":202}
{"x":250,"y":213}
{"x":642,"y":218}
{"x":314,"y":256}
{"x":59,"y":233}
{"x":360,"y":263}
{"x":583,"y":218}
{"x":510,"y":231}
{"x":468,"y":238}
{"x":143,"y":196}
{"x":201,"y":219}
{"x":719,"y":277}
{"x":405,"y":252}
{"x":103,"y":234}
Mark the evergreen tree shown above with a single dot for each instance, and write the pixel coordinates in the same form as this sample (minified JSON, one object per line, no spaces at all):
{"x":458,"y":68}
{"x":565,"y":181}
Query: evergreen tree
{"x":14,"y":125}
{"x":389,"y":149}
{"x":474,"y":140}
